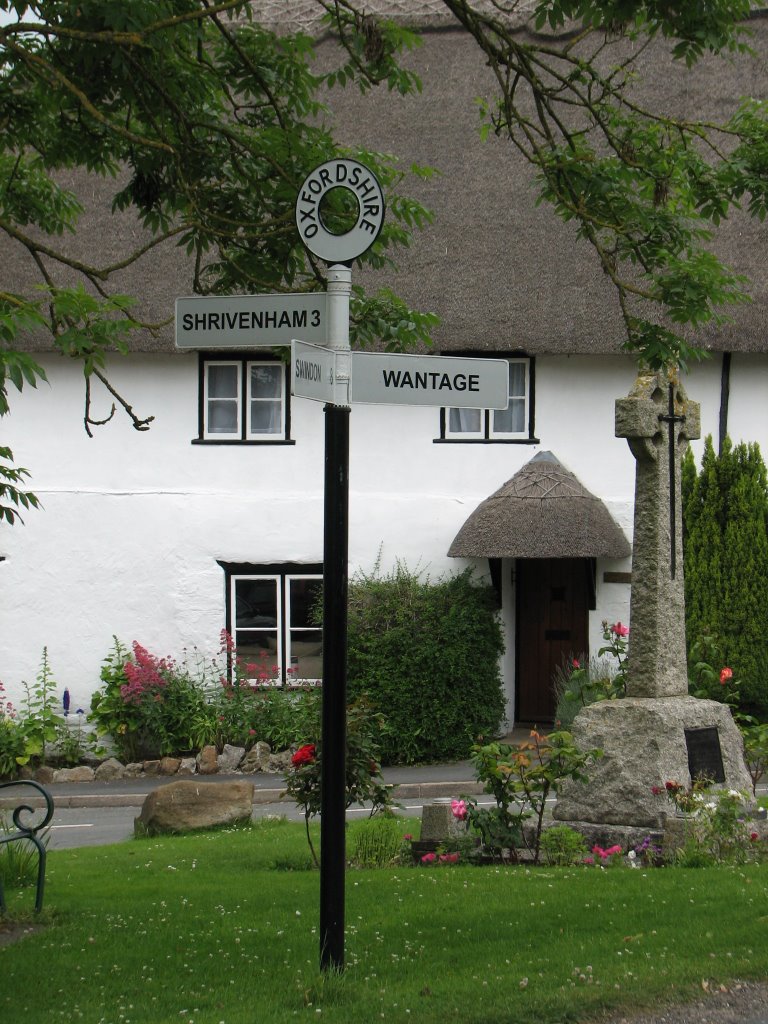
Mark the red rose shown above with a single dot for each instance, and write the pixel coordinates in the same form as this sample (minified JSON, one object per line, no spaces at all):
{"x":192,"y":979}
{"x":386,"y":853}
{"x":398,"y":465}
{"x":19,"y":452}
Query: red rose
{"x":304,"y":755}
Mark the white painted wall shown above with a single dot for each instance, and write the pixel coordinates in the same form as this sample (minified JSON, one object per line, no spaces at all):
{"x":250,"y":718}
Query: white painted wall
{"x":133,"y":523}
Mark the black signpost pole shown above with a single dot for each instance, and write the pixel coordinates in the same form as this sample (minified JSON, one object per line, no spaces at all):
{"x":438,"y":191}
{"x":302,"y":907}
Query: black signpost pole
{"x":338,"y":251}
{"x":334,"y":714}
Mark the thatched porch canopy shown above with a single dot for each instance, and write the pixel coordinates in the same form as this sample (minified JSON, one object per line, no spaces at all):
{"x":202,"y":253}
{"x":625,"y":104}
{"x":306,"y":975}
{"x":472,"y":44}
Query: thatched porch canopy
{"x":542,"y":512}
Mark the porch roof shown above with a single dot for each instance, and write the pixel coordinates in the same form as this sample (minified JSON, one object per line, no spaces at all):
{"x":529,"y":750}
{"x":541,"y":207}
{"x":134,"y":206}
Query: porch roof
{"x":544,"y":511}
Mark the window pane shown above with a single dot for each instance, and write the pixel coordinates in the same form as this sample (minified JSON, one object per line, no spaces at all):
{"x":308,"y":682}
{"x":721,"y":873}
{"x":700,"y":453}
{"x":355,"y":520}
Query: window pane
{"x":222,"y":417}
{"x":517,"y":380}
{"x":266,"y":381}
{"x":304,"y":596}
{"x":306,"y":654}
{"x":510,"y":420}
{"x":222,"y":381}
{"x":256,"y":604}
{"x":257,"y":655}
{"x":266,"y":418}
{"x":464,"y":421}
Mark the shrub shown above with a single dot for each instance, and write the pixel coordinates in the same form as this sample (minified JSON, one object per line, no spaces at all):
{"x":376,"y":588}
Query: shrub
{"x":364,"y":783}
{"x":150,"y":706}
{"x":563,"y":846}
{"x":375,"y":842}
{"x":427,"y":654}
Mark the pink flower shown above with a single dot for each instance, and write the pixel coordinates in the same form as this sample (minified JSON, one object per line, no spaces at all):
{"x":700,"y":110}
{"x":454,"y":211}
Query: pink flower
{"x":754,"y":836}
{"x":589,"y":860}
{"x":575,"y":663}
{"x":619,"y":629}
{"x":725,"y":674}
{"x":449,"y":858}
{"x":429,"y":858}
{"x":459,"y":809}
{"x":408,"y":837}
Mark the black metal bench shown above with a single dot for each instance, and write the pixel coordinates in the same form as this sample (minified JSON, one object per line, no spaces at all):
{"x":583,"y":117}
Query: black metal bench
{"x":29,"y":832}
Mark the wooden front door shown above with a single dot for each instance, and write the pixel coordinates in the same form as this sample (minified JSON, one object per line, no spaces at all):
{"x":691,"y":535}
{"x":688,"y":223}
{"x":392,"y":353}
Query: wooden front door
{"x":552,"y":616}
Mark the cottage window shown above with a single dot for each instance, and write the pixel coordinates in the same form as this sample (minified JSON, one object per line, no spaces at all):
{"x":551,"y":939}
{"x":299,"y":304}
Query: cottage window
{"x":271,"y":616}
{"x":514,"y":423}
{"x":243,"y":400}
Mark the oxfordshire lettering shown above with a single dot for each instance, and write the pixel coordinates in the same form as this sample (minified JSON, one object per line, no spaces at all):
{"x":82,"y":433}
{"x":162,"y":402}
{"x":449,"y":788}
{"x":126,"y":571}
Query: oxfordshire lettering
{"x":317,"y":185}
{"x":252,"y":320}
{"x":431,"y":380}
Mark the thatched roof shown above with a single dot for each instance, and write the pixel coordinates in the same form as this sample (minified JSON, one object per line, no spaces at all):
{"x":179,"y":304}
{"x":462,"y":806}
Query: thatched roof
{"x":502,"y":273}
{"x":542,"y":512}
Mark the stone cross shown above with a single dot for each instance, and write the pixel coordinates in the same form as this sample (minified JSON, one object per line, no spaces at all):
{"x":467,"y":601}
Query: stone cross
{"x":657,"y":429}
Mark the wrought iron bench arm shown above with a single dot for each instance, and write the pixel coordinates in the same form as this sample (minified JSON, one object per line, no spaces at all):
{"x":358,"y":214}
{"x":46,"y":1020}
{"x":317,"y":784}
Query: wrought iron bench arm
{"x":29,"y":832}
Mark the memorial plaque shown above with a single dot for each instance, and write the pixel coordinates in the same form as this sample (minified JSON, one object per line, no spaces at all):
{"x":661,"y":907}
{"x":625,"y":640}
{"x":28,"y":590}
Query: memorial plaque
{"x":705,"y":759}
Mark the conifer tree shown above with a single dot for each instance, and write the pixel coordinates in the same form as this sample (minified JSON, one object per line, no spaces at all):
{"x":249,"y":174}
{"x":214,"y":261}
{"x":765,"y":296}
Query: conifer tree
{"x":726,"y":563}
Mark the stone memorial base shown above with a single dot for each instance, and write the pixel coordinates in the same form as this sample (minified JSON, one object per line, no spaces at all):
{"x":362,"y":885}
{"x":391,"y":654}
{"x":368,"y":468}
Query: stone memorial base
{"x":645,"y":745}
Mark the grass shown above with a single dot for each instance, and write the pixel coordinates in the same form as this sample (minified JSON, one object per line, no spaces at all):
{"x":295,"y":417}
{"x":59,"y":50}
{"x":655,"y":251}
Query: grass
{"x":217,"y":927}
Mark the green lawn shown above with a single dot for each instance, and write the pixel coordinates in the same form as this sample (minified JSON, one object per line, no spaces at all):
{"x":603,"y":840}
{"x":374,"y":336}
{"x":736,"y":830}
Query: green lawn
{"x":216,"y":928}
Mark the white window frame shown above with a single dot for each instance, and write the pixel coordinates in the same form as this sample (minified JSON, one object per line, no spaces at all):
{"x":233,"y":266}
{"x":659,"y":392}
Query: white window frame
{"x":258,"y":435}
{"x":222,"y":435}
{"x":525,"y":397}
{"x":486,"y":431}
{"x":283,"y":630}
{"x":244,"y":399}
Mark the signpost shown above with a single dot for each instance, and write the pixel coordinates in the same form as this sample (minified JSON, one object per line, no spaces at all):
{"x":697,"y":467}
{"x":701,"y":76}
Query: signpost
{"x":313,"y":371}
{"x":325,"y":370}
{"x":384,"y":379}
{"x":250,"y":321}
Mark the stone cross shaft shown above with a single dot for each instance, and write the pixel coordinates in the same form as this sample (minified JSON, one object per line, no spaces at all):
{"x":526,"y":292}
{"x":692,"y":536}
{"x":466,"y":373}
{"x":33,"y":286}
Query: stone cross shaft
{"x":657,"y":437}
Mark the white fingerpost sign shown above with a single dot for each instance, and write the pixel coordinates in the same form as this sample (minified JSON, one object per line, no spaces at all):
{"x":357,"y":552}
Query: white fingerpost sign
{"x":366,"y":190}
{"x":383,"y":379}
{"x":313,"y":371}
{"x":250,"y":321}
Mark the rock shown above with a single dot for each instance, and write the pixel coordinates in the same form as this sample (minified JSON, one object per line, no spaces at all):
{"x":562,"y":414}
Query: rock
{"x":44,"y":775}
{"x":207,"y":763}
{"x":438,"y":822}
{"x":187,"y":766}
{"x":185,"y":805}
{"x":257,"y":758}
{"x":278,"y":763}
{"x":80,"y":774}
{"x":151,"y":767}
{"x":134,"y":769}
{"x":168,"y":765}
{"x":229,"y":759}
{"x":644,"y":743}
{"x":109,"y":769}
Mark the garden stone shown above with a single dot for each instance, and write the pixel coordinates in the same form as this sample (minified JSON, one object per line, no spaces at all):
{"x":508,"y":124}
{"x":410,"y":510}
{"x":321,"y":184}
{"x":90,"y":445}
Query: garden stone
{"x":278,"y":763}
{"x":151,"y":768}
{"x":80,"y":774}
{"x":256,"y":759}
{"x":109,"y":769}
{"x":229,"y":759}
{"x":644,"y":746}
{"x":206,"y":761}
{"x":185,"y":805}
{"x":187,"y":766}
{"x":134,"y":769}
{"x":438,"y":822}
{"x":44,"y":775}
{"x":168,"y":765}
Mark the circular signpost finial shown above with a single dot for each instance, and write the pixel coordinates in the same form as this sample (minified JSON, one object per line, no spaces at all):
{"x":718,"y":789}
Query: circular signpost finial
{"x":354,"y":177}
